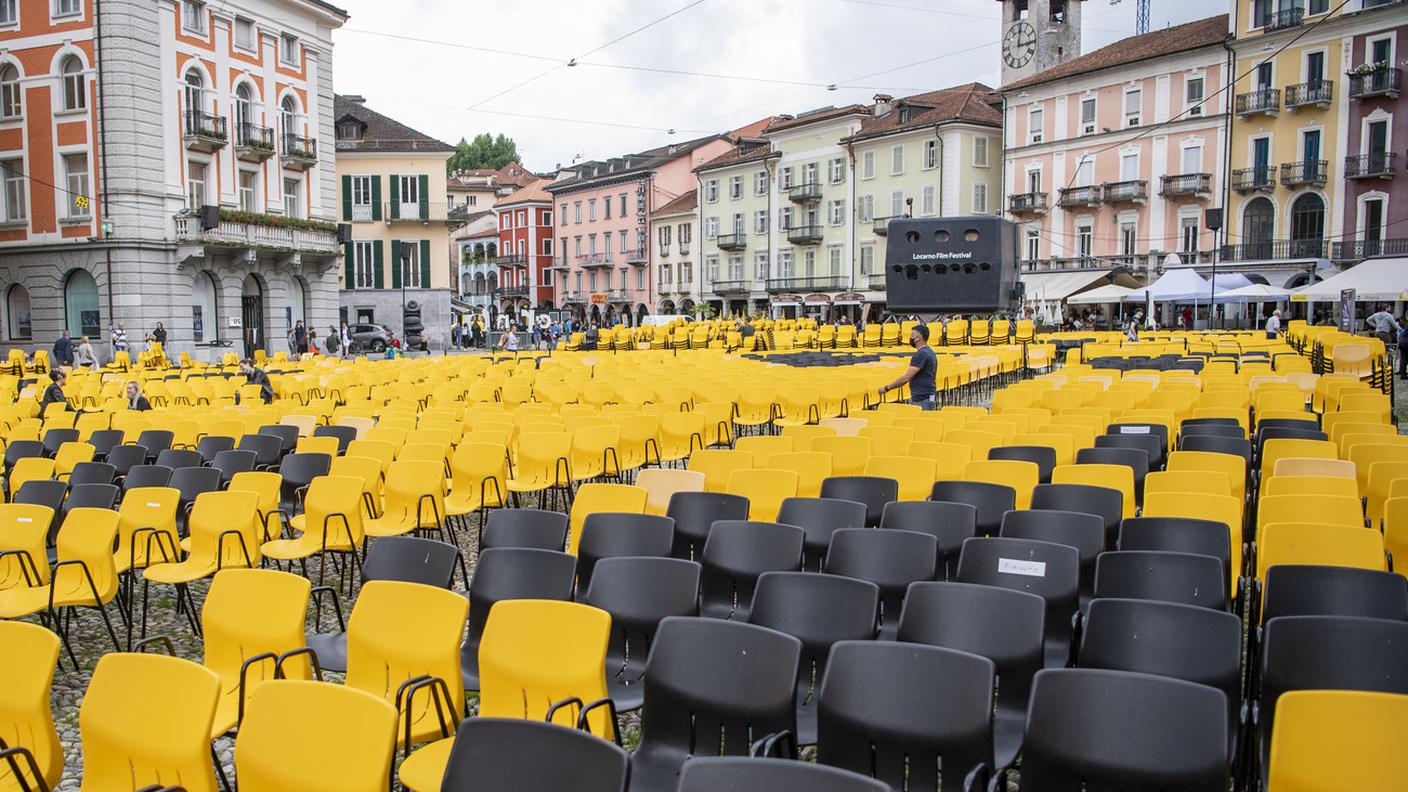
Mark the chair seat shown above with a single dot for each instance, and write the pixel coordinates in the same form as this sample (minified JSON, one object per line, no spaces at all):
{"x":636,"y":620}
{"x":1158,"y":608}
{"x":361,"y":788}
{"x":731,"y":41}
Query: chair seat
{"x":331,"y":649}
{"x":70,"y":590}
{"x":531,"y":485}
{"x":304,"y":546}
{"x":181,"y":572}
{"x":458,"y":505}
{"x":392,"y":525}
{"x":625,"y":696}
{"x":425,"y":769}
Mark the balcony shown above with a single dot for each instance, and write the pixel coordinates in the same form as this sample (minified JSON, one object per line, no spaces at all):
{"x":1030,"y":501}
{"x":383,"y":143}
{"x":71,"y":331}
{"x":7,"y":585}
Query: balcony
{"x":732,"y":287}
{"x":1082,"y":263}
{"x":1072,"y":197}
{"x":1362,"y":249}
{"x":300,"y":153}
{"x":1183,"y":185}
{"x":254,"y":232}
{"x":877,"y":281}
{"x":1318,"y":93}
{"x":1277,"y":249}
{"x":664,"y":251}
{"x":1280,"y":20}
{"x":428,"y":212}
{"x":1027,"y":203}
{"x":684,"y":247}
{"x":253,"y":143}
{"x":804,"y":235}
{"x":1305,"y":172}
{"x":732,"y":241}
{"x":205,"y":131}
{"x":592,"y":260}
{"x":637,"y":257}
{"x":812,"y":284}
{"x":511,"y":291}
{"x":1379,"y":165}
{"x":510,"y":260}
{"x":1132,"y":191}
{"x":1262,"y":100}
{"x":880,"y":226}
{"x":1382,"y":81}
{"x":809,"y":192}
{"x":1260,"y":178}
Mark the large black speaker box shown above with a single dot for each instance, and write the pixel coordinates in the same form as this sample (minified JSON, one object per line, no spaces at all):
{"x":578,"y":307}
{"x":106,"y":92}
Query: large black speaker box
{"x":952,"y":265}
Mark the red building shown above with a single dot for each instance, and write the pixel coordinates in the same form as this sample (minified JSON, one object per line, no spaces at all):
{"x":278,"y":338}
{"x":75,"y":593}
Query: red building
{"x":525,"y":249}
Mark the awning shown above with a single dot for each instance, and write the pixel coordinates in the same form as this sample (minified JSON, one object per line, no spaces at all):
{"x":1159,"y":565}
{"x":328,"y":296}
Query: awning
{"x":1372,"y":279}
{"x":1056,"y":286}
{"x":1186,"y":285}
{"x":1256,"y":292}
{"x":1104,"y":294}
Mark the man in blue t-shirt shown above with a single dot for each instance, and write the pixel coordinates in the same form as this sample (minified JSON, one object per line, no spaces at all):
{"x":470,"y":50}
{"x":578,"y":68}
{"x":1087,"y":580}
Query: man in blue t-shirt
{"x":923,"y":366}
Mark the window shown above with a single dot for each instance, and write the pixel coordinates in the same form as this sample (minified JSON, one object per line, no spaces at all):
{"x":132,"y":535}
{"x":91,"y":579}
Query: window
{"x":362,"y":264}
{"x":665,"y":277}
{"x":980,"y":152}
{"x":760,"y":221}
{"x":75,"y":84}
{"x":623,"y":204}
{"x":546,"y":219}
{"x":288,"y":49}
{"x":809,"y":173}
{"x":1085,"y":234}
{"x":686,"y":274}
{"x":931,"y":154}
{"x":545,"y":276}
{"x":809,"y":263}
{"x":1034,"y":181}
{"x":980,"y":199}
{"x":76,"y":179}
{"x":1188,"y":235}
{"x":897,"y":203}
{"x":248,"y":194}
{"x":711,"y":190}
{"x":1085,"y":171}
{"x":735,"y":187}
{"x":591,"y":209}
{"x":244,"y":33}
{"x":193,"y":16}
{"x":896,"y":160}
{"x":837,"y":212}
{"x":865,"y":208}
{"x":547,"y":247}
{"x":760,"y":183}
{"x":577,"y":211}
{"x":1034,"y":125}
{"x":605,"y":242}
{"x":711,"y":268}
{"x":8,"y":15}
{"x":361,"y":198}
{"x":686,"y":235}
{"x":577,"y":244}
{"x":1193,"y":95}
{"x":293,"y":204}
{"x":784,"y":178}
{"x":867,"y":165}
{"x":738,"y":229}
{"x":1133,"y":103}
{"x":735,"y":268}
{"x":11,"y":96}
{"x":784,"y":263}
{"x":1033,"y":244}
{"x":1087,"y":116}
{"x":1129,"y":166}
{"x":1128,"y":238}
{"x":1317,"y":7}
{"x":836,"y":170}
{"x":927,"y":201}
{"x":81,"y":305}
{"x":562,"y":212}
{"x":591,"y":244}
{"x":63,"y":8}
{"x":409,"y":263}
{"x":15,"y":203}
{"x":784,"y":218}
{"x":867,"y":259}
{"x":17,"y":309}
{"x":625,"y":242}
{"x":1193,"y":158}
{"x":662,"y":237}
{"x":711,"y":227}
{"x":834,"y":254}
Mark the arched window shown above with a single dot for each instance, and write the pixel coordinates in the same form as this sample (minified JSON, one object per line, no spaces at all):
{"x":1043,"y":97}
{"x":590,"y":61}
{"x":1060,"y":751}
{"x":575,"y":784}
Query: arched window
{"x":1308,"y":226}
{"x":1258,"y":226}
{"x":11,"y":101}
{"x":17,"y":312}
{"x":204,"y":324}
{"x":244,"y":112}
{"x":298,"y":299}
{"x":75,"y":83}
{"x":81,"y":305}
{"x":195,"y":100}
{"x":288,"y":119}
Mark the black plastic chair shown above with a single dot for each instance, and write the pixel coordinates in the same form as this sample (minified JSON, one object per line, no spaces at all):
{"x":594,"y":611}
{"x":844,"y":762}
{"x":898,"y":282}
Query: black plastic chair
{"x":1005,"y":626}
{"x":638,"y":592}
{"x":695,"y":513}
{"x":1049,"y":570}
{"x":210,"y":445}
{"x":1136,"y":459}
{"x":1084,"y":532}
{"x":514,"y":755}
{"x":180,"y":458}
{"x":21,"y":449}
{"x":90,"y":496}
{"x":1149,"y":444}
{"x":1044,"y":457}
{"x":1305,"y":590}
{"x":890,"y":559}
{"x":155,"y":441}
{"x":146,"y":476}
{"x":506,"y":573}
{"x":1098,"y":729}
{"x":817,"y":610}
{"x":735,"y":554}
{"x":103,"y":441}
{"x":1189,"y":423}
{"x":1265,"y":433}
{"x":1309,"y":423}
{"x":267,"y":449}
{"x":1104,"y":502}
{"x":1235,"y":446}
{"x":820,"y":518}
{"x":948,"y":523}
{"x":539,"y":528}
{"x":1211,"y":430}
{"x":408,"y":559}
{"x":92,"y":473}
{"x":1166,"y":576}
{"x":899,"y":711}
{"x":288,"y":436}
{"x":1138,"y":429}
{"x":125,"y":457}
{"x":230,"y":462}
{"x":873,"y":491}
{"x":344,"y":435}
{"x":616,"y":535}
{"x":192,"y":482}
{"x":770,"y":775}
{"x":1180,"y":535}
{"x":991,"y":500}
{"x":298,"y":471}
{"x":54,"y":438}
{"x":713,"y":688}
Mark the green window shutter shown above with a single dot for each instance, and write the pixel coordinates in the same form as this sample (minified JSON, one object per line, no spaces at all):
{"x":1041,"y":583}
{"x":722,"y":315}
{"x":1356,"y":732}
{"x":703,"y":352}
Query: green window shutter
{"x":347,"y":198}
{"x":396,"y":262}
{"x":377,"y":277}
{"x":376,"y":198}
{"x":424,"y":192}
{"x":395,"y":197}
{"x":349,"y":266}
{"x":424,"y":261}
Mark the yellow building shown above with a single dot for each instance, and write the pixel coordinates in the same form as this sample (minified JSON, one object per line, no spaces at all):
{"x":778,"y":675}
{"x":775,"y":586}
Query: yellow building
{"x":391,"y":190}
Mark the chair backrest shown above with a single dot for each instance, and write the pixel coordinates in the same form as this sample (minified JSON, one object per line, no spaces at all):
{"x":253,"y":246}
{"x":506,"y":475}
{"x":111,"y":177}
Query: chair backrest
{"x":765,"y":490}
{"x":1315,"y":590}
{"x":1317,"y":543}
{"x":386,"y":647}
{"x":231,"y":462}
{"x":873,"y":491}
{"x":179,"y":458}
{"x":1044,"y":457}
{"x":820,"y":518}
{"x":638,"y":592}
{"x":695,"y":513}
{"x":1180,"y":535}
{"x":616,"y":534}
{"x":948,"y":523}
{"x":1356,"y":728}
{"x":1085,"y":532}
{"x":26,"y":716}
{"x":1106,"y":502}
{"x":511,"y":573}
{"x":890,"y":559}
{"x":1166,"y":576}
{"x":991,"y":501}
{"x":735,"y":554}
{"x":539,"y":528}
{"x":1051,"y":571}
{"x":266,"y":448}
{"x":709,"y":774}
{"x":508,"y":755}
{"x":250,"y":612}
{"x":92,"y":473}
{"x":661,"y":484}
{"x":411,"y":559}
{"x":312,"y":735}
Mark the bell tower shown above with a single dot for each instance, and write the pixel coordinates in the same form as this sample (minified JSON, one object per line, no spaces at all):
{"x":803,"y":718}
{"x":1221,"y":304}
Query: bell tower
{"x":1038,"y":34}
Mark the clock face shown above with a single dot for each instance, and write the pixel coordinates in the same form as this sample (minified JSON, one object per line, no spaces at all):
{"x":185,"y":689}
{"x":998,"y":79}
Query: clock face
{"x":1019,"y":45}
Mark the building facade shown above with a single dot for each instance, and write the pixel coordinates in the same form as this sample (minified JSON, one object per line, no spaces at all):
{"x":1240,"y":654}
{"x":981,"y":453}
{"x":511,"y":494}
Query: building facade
{"x":672,"y":255}
{"x":168,"y":162}
{"x":525,"y":249}
{"x":1091,"y":185}
{"x":476,"y":250}
{"x":390,"y":181}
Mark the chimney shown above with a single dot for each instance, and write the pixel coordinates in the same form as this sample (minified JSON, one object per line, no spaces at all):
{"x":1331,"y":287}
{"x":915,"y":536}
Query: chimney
{"x":356,"y":99}
{"x":882,"y":104}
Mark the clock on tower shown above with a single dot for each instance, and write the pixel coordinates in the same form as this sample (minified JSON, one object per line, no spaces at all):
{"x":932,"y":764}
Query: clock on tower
{"x":1038,"y":34}
{"x":1019,"y":45}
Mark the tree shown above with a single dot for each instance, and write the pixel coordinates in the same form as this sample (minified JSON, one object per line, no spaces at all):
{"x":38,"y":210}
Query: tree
{"x":484,"y":152}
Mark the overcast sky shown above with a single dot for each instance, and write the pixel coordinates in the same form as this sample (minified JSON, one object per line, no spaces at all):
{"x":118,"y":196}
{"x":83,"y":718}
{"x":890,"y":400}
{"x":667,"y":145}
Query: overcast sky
{"x":409,"y":59}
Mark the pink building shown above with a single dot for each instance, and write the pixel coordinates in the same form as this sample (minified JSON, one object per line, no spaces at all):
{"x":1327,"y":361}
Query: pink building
{"x":1113,"y":157}
{"x":601,"y":260}
{"x":525,"y":248}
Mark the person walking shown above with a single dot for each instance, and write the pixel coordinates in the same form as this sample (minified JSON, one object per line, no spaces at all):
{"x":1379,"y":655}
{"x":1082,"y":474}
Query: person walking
{"x":1273,"y":325}
{"x":63,"y":350}
{"x":119,"y":339}
{"x":1131,"y":330}
{"x":84,"y":355}
{"x":300,"y":337}
{"x":1382,"y":324}
{"x":922,"y":372}
{"x":346,"y":340}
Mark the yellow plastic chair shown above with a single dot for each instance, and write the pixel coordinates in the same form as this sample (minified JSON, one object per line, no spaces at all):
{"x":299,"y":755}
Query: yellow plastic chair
{"x":949,"y":458}
{"x":1212,"y":482}
{"x":381,"y":450}
{"x":267,"y":485}
{"x":333,"y":523}
{"x":1322,"y":509}
{"x":1063,"y":444}
{"x":300,"y":736}
{"x":811,"y":467}
{"x":26,"y":719}
{"x":543,"y":463}
{"x":146,"y":530}
{"x":926,"y":426}
{"x":318,"y":445}
{"x":1283,"y":447}
{"x":1318,"y":544}
{"x":1233,"y":466}
{"x":845,"y":427}
{"x":597,"y":497}
{"x":765,"y":490}
{"x":848,"y":453}
{"x":1298,"y":466}
{"x":915,"y":475}
{"x":225,"y":533}
{"x":661,"y":484}
{"x":29,"y":469}
{"x":145,"y":720}
{"x":480,"y":478}
{"x":803,"y":436}
{"x":1115,"y":477}
{"x":1365,"y":455}
{"x":24,"y":530}
{"x":415,"y":500}
{"x":1311,"y":485}
{"x":718,"y":464}
{"x":889,"y":440}
{"x":681,"y":433}
{"x":764,"y":446}
{"x":1338,"y":740}
{"x":979,"y":442}
{"x":70,"y":454}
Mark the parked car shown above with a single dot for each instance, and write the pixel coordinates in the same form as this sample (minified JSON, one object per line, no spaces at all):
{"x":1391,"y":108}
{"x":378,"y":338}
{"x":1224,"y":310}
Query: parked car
{"x":369,"y":337}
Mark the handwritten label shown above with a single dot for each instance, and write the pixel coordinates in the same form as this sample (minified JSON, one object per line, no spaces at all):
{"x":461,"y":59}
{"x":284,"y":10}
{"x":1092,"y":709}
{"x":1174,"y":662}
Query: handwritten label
{"x":1013,"y":566}
{"x":1134,"y":430}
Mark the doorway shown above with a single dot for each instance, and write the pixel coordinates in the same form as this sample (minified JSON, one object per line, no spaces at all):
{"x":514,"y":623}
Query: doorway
{"x":252,"y":315}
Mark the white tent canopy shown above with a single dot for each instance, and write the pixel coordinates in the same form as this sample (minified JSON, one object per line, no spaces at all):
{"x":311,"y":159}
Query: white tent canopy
{"x":1176,"y":285}
{"x":1372,"y":279}
{"x":1044,"y":287}
{"x":1256,"y":292}
{"x":1105,"y":294}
